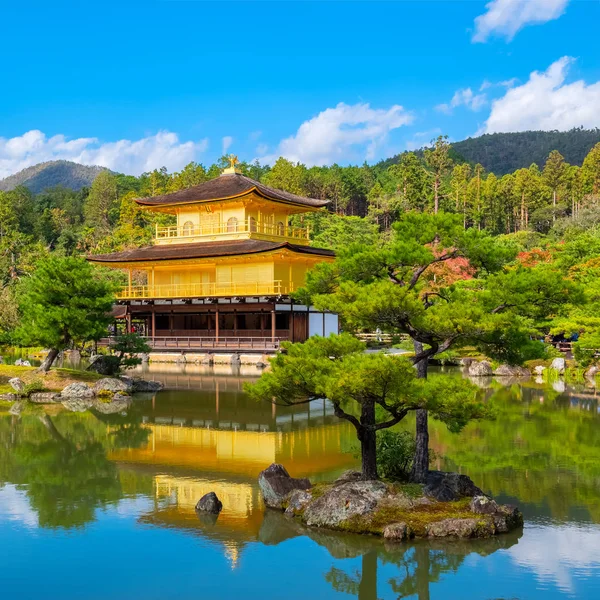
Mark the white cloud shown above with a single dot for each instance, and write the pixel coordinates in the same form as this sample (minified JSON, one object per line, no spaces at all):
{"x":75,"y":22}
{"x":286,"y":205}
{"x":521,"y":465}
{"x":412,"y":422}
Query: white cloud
{"x":125,"y":156}
{"x":546,"y":102}
{"x":226,"y":143}
{"x":507,"y":17}
{"x":560,"y":555}
{"x":465,"y":97}
{"x":508,"y":83}
{"x":346,"y":132}
{"x":262,"y":149}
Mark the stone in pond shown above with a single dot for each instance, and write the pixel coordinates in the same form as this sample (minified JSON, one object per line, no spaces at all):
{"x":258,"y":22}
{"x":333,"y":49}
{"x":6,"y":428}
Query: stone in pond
{"x":209,"y":503}
{"x":276,"y":485}
{"x":462,"y":528}
{"x":141,"y":385}
{"x":77,"y":390}
{"x":558,"y":364}
{"x":17,"y":385}
{"x":45,"y":398}
{"x":397,"y":532}
{"x":480,"y":369}
{"x":299,"y":500}
{"x":345,"y":501}
{"x":446,"y":487}
{"x":112,"y":385}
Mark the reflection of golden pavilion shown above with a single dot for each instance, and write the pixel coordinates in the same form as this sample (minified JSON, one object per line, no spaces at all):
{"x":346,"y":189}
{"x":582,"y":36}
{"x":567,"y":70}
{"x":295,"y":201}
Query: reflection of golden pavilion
{"x":189,"y":462}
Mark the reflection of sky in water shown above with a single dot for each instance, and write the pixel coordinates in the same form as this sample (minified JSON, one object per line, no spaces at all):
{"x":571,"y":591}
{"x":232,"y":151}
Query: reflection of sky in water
{"x":560,"y":555}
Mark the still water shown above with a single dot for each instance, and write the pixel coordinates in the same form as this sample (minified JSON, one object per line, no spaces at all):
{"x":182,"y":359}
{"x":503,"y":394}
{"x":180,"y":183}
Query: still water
{"x":96,"y":506}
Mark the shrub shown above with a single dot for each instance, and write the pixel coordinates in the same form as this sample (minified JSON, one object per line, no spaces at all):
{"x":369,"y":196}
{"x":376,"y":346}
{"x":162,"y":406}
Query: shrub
{"x":34,"y":387}
{"x":395,"y":452}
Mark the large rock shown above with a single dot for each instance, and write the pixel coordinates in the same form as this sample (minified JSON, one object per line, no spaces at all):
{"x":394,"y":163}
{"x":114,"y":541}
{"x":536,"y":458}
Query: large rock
{"x":17,"y":385}
{"x":507,"y":518}
{"x":111,"y":385}
{"x":141,"y":385}
{"x":446,"y":487}
{"x":22,"y":363}
{"x":343,"y":502}
{"x":462,"y":528}
{"x":480,"y":369}
{"x":397,"y":532}
{"x":9,"y":397}
{"x":209,"y":503}
{"x":298,"y":501}
{"x":482,"y":505}
{"x":559,"y":365}
{"x":591,"y":374}
{"x":45,"y":398}
{"x":512,"y":371}
{"x":77,"y":390}
{"x":539,"y":369}
{"x":276,"y":485}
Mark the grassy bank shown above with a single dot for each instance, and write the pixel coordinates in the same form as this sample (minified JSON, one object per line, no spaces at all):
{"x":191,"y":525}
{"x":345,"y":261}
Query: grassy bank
{"x":53,"y":381}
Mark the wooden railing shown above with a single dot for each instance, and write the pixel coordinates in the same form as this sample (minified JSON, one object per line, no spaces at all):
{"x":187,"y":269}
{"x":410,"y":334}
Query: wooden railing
{"x":175,"y":343}
{"x":233,"y":227}
{"x":204,"y":290}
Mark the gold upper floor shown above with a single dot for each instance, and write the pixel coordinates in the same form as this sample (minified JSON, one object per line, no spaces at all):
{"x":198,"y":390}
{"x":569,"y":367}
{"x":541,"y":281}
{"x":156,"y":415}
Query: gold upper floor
{"x":249,"y":217}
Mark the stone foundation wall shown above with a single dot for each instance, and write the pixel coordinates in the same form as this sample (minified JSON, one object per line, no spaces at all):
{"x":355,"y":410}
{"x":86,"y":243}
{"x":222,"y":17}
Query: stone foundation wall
{"x":217,"y":358}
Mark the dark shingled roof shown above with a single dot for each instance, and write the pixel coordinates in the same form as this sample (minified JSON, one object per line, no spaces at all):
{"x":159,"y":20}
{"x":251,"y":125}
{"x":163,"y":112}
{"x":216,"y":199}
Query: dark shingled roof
{"x":204,"y":250}
{"x":227,"y":186}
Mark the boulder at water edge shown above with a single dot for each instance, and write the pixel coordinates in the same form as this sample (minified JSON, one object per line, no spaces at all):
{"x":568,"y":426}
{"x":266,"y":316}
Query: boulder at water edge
{"x":111,"y":385}
{"x":446,"y":487}
{"x":344,"y":501}
{"x":17,"y":385}
{"x":276,"y":485}
{"x":480,"y":369}
{"x":45,"y":398}
{"x":512,"y":371}
{"x":209,"y":503}
{"x":77,"y":390}
{"x":22,"y":363}
{"x":298,"y":501}
{"x":558,"y":364}
{"x":141,"y":385}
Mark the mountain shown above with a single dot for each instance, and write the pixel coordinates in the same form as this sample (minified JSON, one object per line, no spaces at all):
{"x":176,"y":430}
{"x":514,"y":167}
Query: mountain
{"x":503,"y":153}
{"x":50,"y":174}
{"x":506,"y":152}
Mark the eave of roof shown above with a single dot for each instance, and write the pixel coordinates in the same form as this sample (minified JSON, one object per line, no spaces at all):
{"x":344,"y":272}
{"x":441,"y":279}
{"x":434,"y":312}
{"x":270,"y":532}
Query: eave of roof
{"x":228,"y":187}
{"x":204,"y":250}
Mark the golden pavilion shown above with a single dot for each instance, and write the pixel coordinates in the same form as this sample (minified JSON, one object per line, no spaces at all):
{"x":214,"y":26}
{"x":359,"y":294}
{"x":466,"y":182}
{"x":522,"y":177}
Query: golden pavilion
{"x":222,"y":277}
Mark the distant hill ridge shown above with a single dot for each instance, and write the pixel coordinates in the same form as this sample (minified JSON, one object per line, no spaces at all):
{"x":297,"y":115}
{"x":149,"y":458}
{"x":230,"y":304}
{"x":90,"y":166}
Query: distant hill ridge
{"x":503,"y":153}
{"x":51,"y":174}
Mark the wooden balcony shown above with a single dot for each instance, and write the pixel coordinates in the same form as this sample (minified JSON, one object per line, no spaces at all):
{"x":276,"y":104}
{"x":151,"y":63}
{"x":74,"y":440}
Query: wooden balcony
{"x":204,"y":290}
{"x":232,"y":229}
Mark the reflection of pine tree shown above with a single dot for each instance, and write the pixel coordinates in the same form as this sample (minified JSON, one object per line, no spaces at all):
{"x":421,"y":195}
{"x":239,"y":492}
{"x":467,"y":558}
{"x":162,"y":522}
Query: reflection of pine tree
{"x":419,"y":565}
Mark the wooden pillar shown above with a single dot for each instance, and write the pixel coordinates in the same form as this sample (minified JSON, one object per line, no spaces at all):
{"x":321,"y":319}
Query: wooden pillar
{"x":153,"y":330}
{"x":128,"y":322}
{"x":292,"y":322}
{"x":171,"y":319}
{"x":235,"y":322}
{"x":273,"y":324}
{"x":129,"y":278}
{"x":217,"y":324}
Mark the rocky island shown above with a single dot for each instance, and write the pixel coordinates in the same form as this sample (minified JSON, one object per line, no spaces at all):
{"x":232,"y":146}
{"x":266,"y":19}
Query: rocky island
{"x":447,"y":505}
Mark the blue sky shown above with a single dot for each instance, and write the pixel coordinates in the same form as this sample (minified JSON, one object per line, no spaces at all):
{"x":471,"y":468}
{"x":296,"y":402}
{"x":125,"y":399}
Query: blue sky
{"x":134,"y":86}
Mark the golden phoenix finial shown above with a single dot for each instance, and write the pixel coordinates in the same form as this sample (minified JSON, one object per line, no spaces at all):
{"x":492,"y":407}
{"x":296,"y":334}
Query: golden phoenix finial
{"x":233,"y":160}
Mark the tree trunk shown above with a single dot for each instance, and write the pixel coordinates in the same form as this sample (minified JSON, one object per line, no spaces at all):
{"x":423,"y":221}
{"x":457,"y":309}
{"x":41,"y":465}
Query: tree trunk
{"x":421,"y":460}
{"x":368,"y":442}
{"x":48,"y":361}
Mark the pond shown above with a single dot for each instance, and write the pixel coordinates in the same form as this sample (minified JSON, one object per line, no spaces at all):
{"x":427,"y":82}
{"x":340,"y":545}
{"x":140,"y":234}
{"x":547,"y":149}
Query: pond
{"x":100,"y":506}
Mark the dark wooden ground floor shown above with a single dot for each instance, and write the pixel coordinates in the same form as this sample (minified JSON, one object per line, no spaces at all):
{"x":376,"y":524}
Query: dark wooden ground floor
{"x":218,"y":325}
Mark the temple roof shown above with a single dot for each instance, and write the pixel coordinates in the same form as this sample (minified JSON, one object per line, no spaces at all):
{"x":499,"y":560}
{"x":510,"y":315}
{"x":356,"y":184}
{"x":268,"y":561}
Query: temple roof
{"x":226,"y":187}
{"x":204,"y":250}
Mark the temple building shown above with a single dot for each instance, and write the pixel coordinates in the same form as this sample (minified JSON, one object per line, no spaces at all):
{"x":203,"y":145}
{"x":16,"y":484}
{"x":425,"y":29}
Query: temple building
{"x":223,"y":275}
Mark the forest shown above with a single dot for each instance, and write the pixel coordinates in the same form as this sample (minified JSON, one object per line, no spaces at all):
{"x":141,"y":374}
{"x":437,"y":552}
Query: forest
{"x":536,"y":209}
